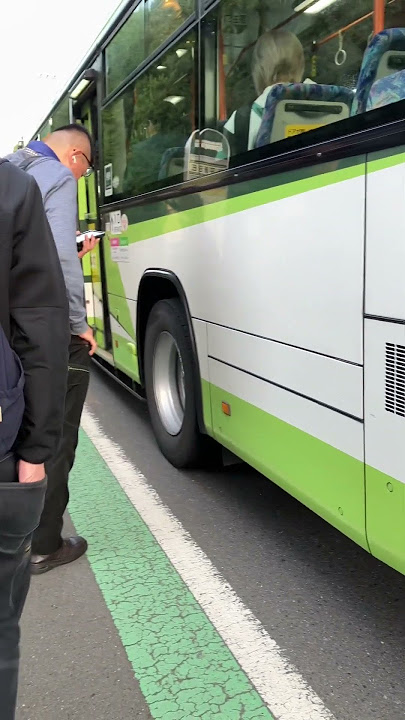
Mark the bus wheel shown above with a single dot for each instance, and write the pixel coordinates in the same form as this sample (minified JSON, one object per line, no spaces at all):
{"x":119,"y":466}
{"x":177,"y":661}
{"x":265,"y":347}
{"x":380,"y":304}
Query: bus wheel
{"x":169,"y":381}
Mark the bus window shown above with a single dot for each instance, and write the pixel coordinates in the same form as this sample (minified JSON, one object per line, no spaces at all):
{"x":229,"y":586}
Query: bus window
{"x":395,"y":14}
{"x":126,"y":50}
{"x":146,"y":127}
{"x":60,"y":115}
{"x":163,"y":18}
{"x":297,"y":42}
{"x":45,"y":129}
{"x":150,"y":24}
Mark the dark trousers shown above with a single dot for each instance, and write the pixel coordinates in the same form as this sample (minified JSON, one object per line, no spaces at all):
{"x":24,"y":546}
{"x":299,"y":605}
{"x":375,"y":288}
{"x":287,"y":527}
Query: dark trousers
{"x":20,"y":510}
{"x":48,"y":536}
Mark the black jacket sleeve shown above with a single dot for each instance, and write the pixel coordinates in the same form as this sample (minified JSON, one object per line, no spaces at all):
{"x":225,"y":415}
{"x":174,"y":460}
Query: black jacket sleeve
{"x":39,"y":325}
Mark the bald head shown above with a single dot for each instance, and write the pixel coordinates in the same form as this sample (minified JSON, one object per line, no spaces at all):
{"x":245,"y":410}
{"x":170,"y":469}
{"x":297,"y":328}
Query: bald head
{"x":73,"y":146}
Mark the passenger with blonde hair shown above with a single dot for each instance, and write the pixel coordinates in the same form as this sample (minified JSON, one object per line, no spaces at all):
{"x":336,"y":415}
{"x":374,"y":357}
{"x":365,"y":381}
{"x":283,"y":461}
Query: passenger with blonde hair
{"x":278,"y":57}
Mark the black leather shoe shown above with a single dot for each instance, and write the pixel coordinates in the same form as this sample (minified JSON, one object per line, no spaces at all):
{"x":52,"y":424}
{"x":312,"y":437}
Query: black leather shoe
{"x":71,"y":549}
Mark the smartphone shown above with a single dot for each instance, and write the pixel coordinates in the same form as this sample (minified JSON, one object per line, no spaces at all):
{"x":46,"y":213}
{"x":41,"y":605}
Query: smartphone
{"x":80,"y":238}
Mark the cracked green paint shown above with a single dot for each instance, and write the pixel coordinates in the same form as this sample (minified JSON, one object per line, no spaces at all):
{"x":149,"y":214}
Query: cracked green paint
{"x":184,"y":668}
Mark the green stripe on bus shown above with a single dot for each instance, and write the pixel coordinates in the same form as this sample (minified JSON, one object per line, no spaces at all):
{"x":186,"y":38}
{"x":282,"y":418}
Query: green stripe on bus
{"x":186,"y":210}
{"x":230,"y":205}
{"x":325,"y":479}
{"x":182,"y":202}
{"x":339,"y":488}
{"x":184,"y":668}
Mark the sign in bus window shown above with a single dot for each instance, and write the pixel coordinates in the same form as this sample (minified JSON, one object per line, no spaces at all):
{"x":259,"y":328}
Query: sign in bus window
{"x":292,"y":130}
{"x":206,"y":152}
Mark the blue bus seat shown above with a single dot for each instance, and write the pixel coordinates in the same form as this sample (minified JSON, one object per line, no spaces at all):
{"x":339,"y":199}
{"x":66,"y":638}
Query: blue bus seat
{"x":172,"y":162}
{"x":385,"y":56}
{"x":299,"y":107}
{"x":387,"y":90}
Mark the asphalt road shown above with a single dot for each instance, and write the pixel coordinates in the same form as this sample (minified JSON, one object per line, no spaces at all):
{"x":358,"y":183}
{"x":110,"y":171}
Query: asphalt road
{"x":73,"y":665}
{"x":338,"y":614}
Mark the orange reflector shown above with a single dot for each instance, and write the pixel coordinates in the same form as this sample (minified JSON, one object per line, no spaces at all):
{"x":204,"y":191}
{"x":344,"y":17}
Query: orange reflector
{"x":226,"y":409}
{"x":116,"y":343}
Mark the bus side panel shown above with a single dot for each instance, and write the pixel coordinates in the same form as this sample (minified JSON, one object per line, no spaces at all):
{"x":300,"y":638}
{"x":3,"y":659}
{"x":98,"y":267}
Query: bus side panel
{"x":295,"y":443}
{"x":385,"y":358}
{"x":123,"y":322}
{"x":286,"y":348}
{"x":278,"y":263}
{"x":385,"y":441}
{"x":293,"y":435}
{"x":201,"y":340}
{"x":121,"y":304}
{"x":279,"y":266}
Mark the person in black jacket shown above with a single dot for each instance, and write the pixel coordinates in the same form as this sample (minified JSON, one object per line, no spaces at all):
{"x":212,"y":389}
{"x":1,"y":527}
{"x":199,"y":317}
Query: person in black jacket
{"x":57,"y":163}
{"x":34,"y":317}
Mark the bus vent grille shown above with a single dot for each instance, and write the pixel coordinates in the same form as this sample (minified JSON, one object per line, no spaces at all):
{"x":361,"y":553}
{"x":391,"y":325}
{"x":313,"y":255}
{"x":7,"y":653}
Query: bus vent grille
{"x":395,"y":379}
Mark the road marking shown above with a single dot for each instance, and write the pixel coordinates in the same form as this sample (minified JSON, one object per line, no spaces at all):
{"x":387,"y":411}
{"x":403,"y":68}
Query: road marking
{"x":184,"y":668}
{"x":278,"y":683}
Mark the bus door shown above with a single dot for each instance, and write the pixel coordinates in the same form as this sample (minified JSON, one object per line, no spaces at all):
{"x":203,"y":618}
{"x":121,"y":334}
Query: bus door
{"x":86,"y":261}
{"x":93,"y":262}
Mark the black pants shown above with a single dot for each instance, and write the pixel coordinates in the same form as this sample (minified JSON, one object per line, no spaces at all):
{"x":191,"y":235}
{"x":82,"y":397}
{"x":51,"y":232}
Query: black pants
{"x":47,"y":538}
{"x":20,"y":510}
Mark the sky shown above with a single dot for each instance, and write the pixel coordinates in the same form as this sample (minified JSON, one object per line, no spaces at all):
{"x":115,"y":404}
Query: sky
{"x":41,"y":47}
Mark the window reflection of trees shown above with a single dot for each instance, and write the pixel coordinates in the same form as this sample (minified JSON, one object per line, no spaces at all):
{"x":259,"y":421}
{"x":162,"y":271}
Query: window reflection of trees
{"x":155,"y":114}
{"x":151,"y":24}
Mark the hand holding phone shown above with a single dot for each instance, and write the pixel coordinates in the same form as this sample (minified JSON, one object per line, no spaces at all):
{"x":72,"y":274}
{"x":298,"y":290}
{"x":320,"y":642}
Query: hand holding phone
{"x":91,"y":233}
{"x":87,"y":241}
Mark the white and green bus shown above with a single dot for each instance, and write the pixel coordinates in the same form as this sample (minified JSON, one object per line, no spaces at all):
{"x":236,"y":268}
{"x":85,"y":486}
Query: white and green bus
{"x":251,"y":279}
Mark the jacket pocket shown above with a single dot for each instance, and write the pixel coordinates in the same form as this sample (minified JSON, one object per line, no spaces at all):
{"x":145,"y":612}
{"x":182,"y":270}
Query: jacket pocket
{"x":21,"y":505}
{"x":11,"y":412}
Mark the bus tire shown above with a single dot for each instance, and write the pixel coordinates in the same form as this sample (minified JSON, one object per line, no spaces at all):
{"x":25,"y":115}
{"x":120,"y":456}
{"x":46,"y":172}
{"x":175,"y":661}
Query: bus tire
{"x":170,"y":386}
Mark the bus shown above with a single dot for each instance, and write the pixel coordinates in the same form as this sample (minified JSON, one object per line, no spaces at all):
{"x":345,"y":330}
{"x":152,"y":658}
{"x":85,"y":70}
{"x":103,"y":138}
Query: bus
{"x":251,"y":185}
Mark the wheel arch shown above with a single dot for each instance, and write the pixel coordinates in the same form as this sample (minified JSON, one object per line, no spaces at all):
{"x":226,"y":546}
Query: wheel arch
{"x":156,"y":285}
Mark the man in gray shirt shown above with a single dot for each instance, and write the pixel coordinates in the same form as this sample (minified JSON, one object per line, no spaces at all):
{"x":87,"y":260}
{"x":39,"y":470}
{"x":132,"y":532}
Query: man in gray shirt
{"x":57,"y":164}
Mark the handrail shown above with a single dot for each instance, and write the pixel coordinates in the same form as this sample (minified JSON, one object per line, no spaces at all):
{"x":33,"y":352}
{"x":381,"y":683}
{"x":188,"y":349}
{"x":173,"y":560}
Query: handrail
{"x":378,"y":14}
{"x":277,"y":27}
{"x":319,"y":43}
{"x":379,"y":23}
{"x":222,"y":79}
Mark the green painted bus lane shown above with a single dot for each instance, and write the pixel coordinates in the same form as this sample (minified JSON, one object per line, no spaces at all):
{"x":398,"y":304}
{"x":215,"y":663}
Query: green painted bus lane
{"x":184,"y":668}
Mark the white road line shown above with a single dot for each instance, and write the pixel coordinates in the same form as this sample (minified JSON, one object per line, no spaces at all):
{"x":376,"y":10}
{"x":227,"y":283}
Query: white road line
{"x":282,"y":688}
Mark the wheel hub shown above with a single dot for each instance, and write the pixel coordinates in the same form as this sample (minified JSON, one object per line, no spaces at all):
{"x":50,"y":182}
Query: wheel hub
{"x":168,"y":383}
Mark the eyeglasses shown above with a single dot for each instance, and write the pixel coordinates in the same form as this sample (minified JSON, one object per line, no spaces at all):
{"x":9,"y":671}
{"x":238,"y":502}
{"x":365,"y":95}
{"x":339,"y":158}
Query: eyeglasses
{"x":90,"y":168}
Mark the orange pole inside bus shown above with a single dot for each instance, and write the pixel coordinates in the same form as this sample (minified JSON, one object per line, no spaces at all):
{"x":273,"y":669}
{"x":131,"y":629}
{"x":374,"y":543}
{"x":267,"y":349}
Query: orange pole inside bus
{"x":221,"y":77}
{"x":379,"y":16}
